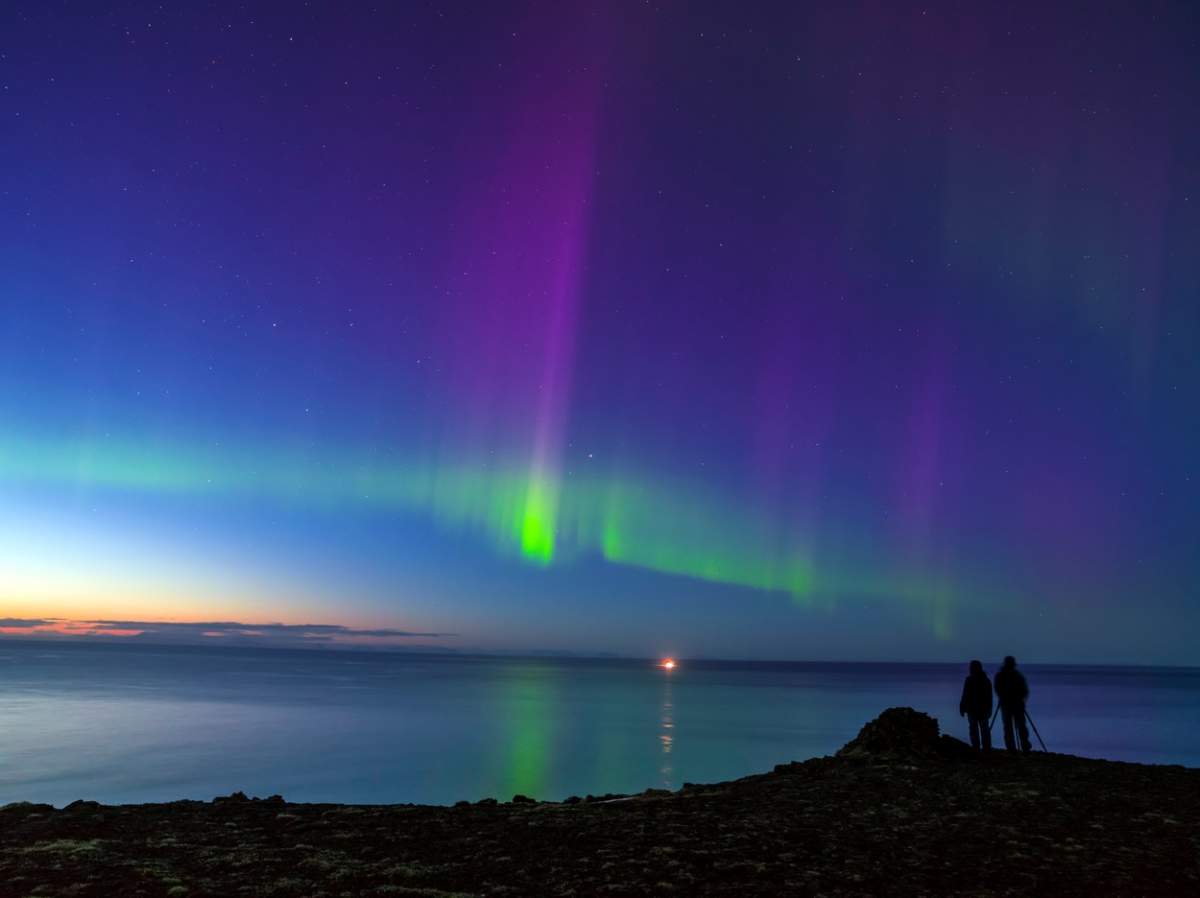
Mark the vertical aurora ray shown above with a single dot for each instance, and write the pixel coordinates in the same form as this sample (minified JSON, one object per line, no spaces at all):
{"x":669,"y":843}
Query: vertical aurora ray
{"x":538,"y":516}
{"x":540,"y":513}
{"x":578,"y":151}
{"x":513,"y":318}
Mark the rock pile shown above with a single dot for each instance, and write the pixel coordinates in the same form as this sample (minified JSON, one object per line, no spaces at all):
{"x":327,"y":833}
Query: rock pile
{"x":901,"y":733}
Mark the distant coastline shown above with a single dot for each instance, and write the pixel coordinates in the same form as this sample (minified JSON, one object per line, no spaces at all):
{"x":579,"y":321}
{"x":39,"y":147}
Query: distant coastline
{"x":534,"y":655}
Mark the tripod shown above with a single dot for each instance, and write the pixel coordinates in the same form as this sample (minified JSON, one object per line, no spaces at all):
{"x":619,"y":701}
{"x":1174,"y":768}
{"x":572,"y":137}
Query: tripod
{"x":1035,"y":731}
{"x":1031,"y":723}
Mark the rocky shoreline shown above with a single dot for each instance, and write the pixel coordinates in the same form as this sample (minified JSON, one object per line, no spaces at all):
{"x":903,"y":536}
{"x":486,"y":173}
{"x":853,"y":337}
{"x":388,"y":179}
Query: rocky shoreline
{"x":900,"y":810}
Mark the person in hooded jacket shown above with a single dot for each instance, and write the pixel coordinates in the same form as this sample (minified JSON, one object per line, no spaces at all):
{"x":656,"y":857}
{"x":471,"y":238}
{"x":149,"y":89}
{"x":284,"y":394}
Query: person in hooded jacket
{"x":1012,"y":691}
{"x":976,"y":706}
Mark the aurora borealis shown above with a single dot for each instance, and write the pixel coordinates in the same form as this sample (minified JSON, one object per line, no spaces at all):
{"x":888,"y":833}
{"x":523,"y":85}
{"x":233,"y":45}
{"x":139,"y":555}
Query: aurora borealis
{"x":768,"y":332}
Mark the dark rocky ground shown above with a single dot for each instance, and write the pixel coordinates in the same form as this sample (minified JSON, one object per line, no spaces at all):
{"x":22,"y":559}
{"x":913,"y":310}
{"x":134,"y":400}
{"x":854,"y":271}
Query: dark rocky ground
{"x":899,"y":811}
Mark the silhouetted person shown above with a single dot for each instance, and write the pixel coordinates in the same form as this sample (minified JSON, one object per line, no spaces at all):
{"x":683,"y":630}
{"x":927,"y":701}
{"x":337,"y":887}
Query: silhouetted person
{"x":1011,"y":691}
{"x":976,"y":704}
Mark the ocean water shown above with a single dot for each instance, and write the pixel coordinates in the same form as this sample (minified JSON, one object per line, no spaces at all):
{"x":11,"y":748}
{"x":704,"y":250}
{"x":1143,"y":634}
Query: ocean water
{"x":141,"y":723}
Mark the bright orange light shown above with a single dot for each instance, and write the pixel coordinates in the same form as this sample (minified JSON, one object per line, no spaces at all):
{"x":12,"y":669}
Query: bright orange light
{"x":668,"y":664}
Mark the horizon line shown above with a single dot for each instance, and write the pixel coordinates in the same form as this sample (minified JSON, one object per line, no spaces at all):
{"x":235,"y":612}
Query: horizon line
{"x":249,"y":644}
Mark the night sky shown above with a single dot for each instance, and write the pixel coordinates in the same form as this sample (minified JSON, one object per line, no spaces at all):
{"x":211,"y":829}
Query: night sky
{"x":714,"y":329}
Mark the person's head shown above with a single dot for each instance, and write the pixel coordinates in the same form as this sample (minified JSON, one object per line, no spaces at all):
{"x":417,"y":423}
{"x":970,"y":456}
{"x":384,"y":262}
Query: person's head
{"x":976,"y":667}
{"x":1009,"y":662}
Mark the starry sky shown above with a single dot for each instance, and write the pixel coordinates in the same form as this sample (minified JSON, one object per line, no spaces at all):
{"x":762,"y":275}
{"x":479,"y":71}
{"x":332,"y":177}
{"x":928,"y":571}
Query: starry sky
{"x":772,"y":330}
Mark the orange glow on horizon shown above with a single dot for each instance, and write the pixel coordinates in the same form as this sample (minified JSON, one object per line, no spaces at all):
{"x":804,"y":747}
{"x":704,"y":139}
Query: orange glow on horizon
{"x":668,"y":664}
{"x":58,"y":627}
{"x":75,"y":610}
{"x":171,"y":630}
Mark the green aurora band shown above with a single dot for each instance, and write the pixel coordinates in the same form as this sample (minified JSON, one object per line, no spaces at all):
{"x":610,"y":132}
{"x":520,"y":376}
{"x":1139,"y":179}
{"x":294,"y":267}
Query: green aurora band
{"x":669,"y":528}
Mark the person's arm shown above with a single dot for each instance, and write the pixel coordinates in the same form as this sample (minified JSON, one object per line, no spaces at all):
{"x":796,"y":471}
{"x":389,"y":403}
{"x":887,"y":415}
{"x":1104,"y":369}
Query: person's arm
{"x":962,"y":702}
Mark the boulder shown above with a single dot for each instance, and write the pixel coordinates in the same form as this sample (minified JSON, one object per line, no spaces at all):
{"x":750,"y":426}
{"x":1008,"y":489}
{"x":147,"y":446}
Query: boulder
{"x":897,"y":732}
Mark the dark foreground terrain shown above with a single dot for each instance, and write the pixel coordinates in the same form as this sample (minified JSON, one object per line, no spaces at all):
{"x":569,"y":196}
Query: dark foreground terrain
{"x":900,"y":810}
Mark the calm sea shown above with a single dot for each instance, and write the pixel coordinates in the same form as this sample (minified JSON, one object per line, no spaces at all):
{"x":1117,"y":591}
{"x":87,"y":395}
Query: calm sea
{"x":133,"y":724}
